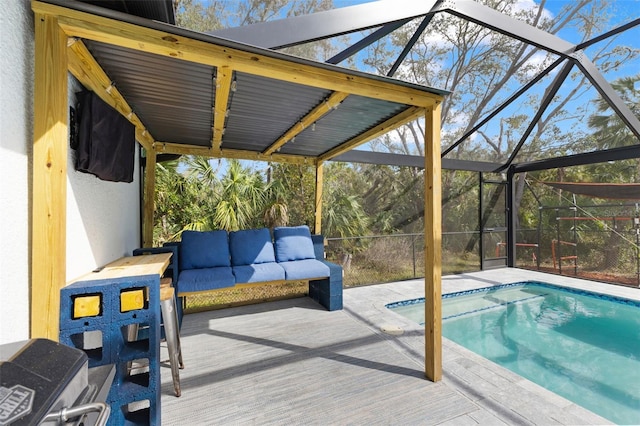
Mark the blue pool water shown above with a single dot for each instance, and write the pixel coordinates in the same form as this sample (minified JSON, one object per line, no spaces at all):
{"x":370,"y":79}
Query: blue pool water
{"x":581,"y":345}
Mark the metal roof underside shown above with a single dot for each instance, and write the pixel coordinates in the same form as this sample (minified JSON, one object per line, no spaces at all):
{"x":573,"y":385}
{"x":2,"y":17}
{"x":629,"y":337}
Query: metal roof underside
{"x":267,"y":116}
{"x":175,"y":100}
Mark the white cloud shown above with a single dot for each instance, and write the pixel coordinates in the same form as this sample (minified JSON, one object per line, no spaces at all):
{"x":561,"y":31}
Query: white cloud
{"x":531,"y":5}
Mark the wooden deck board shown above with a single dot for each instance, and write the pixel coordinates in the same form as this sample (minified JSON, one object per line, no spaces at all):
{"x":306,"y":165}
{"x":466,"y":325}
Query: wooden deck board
{"x":298,"y":364}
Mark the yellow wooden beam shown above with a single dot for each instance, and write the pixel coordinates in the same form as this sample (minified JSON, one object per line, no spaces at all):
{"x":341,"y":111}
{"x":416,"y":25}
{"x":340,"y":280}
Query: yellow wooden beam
{"x":111,"y":31}
{"x":87,"y":70}
{"x":307,"y":121}
{"x":433,"y":246}
{"x":149,"y":198}
{"x":49,"y":204}
{"x":319,"y":188}
{"x":224,"y":79}
{"x":404,"y":117}
{"x":175,"y":148}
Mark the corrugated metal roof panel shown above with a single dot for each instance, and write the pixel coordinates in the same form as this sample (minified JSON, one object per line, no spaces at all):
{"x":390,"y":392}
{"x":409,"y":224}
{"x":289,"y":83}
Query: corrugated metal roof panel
{"x":173,"y":98}
{"x":263,"y":109}
{"x":354,"y":116}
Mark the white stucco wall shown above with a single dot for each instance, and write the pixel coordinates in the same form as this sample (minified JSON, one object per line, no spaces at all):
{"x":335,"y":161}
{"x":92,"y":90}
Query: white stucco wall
{"x":16,"y":92}
{"x":103,"y":218}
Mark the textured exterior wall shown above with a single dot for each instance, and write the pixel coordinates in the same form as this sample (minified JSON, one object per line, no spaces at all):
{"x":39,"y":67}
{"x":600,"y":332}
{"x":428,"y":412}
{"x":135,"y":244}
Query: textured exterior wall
{"x":103,"y":218}
{"x":16,"y":134}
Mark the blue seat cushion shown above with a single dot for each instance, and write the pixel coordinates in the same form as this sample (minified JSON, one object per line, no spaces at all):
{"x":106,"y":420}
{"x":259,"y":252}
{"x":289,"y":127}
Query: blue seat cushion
{"x":258,"y":273}
{"x":304,"y":269}
{"x":251,"y":246}
{"x":207,"y":249}
{"x":193,"y":280}
{"x":293,"y":243}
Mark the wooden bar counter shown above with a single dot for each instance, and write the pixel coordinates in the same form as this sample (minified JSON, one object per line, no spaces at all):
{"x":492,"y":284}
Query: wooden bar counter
{"x":130,"y":266}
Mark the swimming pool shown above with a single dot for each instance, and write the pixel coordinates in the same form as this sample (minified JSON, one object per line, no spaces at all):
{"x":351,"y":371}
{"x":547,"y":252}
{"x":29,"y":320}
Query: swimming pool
{"x":581,"y":345}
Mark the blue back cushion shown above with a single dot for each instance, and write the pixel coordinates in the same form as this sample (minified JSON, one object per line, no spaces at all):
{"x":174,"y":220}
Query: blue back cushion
{"x":293,"y":243}
{"x":251,"y":246}
{"x":208,"y":249}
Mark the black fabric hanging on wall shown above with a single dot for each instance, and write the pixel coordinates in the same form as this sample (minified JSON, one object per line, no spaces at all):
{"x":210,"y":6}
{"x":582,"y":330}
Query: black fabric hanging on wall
{"x":106,"y":141}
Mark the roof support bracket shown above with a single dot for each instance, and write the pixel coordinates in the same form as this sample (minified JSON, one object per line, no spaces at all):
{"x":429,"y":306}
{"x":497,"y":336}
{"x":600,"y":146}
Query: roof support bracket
{"x":307,"y":121}
{"x":404,"y":117}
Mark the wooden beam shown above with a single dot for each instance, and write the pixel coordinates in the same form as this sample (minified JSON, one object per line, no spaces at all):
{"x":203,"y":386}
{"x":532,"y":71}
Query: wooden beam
{"x":111,"y":31}
{"x":182,"y":149}
{"x":319,"y":188}
{"x":404,"y":117}
{"x":49,"y":204}
{"x":149,"y":198}
{"x":307,"y":121}
{"x":87,"y":70}
{"x":224,"y":79}
{"x":433,"y":246}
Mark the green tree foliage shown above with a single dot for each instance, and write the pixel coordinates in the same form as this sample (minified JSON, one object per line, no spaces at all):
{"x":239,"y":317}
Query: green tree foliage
{"x":296,"y":189}
{"x":190,"y":195}
{"x":342,"y":213}
{"x":179,"y":202}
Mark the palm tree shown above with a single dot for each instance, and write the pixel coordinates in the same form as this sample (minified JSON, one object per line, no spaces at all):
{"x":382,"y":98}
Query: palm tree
{"x":240,"y":199}
{"x":178,"y":201}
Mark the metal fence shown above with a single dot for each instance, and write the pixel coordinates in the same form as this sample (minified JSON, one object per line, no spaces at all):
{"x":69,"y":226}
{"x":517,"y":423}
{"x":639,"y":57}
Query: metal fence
{"x":599,"y":243}
{"x":385,"y":258}
{"x":365,"y":260}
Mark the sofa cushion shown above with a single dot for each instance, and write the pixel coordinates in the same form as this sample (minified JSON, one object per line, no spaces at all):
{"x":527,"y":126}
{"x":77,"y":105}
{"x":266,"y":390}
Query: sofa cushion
{"x":203,"y":279}
{"x":258,"y":272}
{"x":293,"y":243}
{"x":304,"y":269}
{"x":251,"y":246}
{"x":207,"y":249}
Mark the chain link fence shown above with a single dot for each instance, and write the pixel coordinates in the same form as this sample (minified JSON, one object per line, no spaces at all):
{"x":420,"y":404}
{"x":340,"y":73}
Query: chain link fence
{"x":386,"y":258}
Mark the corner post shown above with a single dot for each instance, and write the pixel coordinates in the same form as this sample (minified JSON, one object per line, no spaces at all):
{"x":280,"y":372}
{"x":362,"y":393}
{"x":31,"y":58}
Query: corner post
{"x":433,"y":245}
{"x":49,"y":203}
{"x":149,"y":197}
{"x":318,"y":206}
{"x":511,"y":219}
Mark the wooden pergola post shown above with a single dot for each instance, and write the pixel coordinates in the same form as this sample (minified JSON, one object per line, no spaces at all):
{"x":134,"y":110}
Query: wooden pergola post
{"x":149,"y":198}
{"x":318,"y":205}
{"x":433,"y":245}
{"x":49,"y":205}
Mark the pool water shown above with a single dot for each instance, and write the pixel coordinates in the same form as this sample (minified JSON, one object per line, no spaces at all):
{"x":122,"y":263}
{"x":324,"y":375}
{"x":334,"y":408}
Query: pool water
{"x":583,"y":346}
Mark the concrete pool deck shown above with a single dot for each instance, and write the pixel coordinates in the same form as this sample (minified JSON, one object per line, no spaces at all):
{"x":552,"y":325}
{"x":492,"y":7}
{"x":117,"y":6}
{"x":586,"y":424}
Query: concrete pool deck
{"x":291,"y":362}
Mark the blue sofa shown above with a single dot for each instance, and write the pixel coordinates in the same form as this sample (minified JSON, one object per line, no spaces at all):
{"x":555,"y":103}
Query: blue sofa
{"x":214,"y":260}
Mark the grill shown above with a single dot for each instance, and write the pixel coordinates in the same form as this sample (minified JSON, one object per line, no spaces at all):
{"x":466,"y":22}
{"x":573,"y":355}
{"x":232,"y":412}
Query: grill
{"x":43,"y":382}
